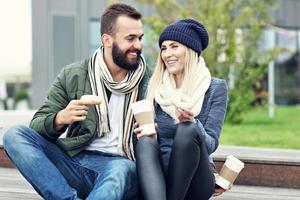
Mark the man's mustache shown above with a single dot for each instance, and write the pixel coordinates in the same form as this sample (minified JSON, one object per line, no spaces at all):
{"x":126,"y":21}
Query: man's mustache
{"x":137,"y":51}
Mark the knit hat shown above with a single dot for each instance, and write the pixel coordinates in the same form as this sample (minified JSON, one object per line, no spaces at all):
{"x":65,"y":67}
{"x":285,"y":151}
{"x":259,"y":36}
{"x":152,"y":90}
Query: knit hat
{"x":188,"y":32}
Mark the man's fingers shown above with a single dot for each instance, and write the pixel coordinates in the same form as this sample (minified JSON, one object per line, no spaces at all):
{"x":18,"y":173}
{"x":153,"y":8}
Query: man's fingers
{"x":81,"y":107}
{"x":75,"y":102}
{"x":80,"y":113}
{"x":79,"y":118}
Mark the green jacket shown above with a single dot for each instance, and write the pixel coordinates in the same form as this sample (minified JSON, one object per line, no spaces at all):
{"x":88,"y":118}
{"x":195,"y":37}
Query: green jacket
{"x":71,"y":83}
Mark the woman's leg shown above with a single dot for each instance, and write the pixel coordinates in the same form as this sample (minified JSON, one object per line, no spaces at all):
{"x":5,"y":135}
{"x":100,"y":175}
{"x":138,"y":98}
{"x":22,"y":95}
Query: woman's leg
{"x":149,"y":169}
{"x":190,"y":175}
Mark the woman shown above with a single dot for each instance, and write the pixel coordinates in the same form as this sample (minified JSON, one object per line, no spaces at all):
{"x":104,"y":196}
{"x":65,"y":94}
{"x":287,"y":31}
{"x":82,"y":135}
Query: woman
{"x":190,"y":106}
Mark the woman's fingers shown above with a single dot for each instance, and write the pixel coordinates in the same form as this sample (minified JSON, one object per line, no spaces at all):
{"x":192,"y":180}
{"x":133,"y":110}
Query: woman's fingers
{"x":140,"y":135}
{"x":137,"y":130}
{"x":218,"y":191}
{"x":184,"y":115}
{"x":136,"y":125}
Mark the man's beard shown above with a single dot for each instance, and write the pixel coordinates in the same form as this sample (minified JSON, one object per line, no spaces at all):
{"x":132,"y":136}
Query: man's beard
{"x":122,"y":61}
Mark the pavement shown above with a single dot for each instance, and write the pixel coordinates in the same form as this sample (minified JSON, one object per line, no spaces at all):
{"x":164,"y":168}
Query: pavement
{"x":14,"y":187}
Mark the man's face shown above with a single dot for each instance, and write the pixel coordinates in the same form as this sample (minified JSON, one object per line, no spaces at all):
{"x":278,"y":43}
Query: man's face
{"x":122,"y":58}
{"x":127,"y":45}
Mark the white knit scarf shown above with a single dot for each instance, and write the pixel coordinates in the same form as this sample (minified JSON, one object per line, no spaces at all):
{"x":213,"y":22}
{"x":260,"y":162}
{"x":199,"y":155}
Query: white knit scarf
{"x":100,"y":78}
{"x":189,"y":96}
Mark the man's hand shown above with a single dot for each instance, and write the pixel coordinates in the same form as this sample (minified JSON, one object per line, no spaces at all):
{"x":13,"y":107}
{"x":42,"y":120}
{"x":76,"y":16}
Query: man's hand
{"x":139,"y":131}
{"x":75,"y":111}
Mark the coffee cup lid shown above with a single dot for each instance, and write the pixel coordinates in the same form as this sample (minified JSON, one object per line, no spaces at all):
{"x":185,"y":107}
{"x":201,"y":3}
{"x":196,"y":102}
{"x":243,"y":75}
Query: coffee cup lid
{"x":236,"y":160}
{"x":141,"y":105}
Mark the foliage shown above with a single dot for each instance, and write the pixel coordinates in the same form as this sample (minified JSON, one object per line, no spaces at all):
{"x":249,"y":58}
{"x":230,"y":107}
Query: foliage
{"x":235,"y":28}
{"x":20,"y":95}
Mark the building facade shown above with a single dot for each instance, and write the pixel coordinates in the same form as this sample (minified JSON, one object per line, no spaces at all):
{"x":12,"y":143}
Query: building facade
{"x":68,"y":31}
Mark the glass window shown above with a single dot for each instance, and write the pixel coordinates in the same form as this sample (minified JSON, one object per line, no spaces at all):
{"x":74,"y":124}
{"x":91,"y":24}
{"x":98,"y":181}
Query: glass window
{"x":95,"y":40}
{"x":287,"y":68}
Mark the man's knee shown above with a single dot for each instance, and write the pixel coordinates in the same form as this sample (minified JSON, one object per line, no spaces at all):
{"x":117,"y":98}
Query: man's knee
{"x":127,"y":168}
{"x":12,"y":134}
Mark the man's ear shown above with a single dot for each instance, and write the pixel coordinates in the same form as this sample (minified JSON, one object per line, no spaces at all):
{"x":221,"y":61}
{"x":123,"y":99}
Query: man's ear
{"x":107,"y":40}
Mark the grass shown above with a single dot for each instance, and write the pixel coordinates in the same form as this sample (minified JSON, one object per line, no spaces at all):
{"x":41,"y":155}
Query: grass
{"x":258,"y":130}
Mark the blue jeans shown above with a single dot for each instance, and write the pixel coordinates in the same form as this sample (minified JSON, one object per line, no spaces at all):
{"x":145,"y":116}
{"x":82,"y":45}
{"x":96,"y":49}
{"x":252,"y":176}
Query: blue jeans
{"x":55,"y":175}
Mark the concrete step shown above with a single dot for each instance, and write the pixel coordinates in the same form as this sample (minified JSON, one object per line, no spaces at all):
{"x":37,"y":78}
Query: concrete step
{"x":264,"y":166}
{"x":14,"y":187}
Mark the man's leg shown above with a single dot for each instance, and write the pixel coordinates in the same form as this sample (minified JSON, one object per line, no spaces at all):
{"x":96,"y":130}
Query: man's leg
{"x":42,"y":163}
{"x":116,"y":178}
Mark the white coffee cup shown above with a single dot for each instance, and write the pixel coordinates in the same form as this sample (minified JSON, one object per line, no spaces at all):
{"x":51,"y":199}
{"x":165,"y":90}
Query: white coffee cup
{"x":229,"y":172}
{"x":144,"y":115}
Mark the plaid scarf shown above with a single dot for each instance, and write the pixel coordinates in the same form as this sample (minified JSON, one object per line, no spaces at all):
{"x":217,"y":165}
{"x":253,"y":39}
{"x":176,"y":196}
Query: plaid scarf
{"x":100,"y":78}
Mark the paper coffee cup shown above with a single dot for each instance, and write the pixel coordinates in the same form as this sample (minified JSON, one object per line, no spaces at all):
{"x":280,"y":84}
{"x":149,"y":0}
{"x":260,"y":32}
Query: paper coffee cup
{"x":229,"y":172}
{"x":144,"y":115}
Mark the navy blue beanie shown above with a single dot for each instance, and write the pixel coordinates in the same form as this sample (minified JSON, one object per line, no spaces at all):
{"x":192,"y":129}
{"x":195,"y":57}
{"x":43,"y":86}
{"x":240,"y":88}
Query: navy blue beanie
{"x":188,"y":32}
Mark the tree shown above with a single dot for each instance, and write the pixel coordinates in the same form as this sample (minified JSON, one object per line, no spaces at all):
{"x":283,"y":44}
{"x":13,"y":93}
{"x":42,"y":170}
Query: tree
{"x":234,"y":53}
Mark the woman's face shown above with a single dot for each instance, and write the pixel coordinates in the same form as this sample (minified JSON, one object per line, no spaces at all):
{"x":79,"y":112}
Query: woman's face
{"x":173,"y":55}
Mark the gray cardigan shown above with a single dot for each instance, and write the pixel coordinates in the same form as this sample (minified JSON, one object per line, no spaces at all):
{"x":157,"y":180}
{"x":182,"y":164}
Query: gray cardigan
{"x":210,"y":120}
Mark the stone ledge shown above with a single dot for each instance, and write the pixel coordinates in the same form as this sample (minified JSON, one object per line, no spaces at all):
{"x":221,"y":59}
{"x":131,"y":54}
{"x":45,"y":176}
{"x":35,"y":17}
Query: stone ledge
{"x":259,"y":155}
{"x":4,"y":160}
{"x":263,"y":166}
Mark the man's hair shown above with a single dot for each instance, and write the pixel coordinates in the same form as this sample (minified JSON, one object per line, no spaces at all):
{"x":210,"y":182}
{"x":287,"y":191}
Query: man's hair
{"x":110,"y":15}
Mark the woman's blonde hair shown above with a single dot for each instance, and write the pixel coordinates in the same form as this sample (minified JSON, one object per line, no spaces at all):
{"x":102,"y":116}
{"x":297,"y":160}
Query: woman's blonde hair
{"x":191,"y":62}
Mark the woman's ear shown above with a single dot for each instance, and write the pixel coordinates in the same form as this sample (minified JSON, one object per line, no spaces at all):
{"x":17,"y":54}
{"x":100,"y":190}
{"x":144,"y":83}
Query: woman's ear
{"x":107,"y":40}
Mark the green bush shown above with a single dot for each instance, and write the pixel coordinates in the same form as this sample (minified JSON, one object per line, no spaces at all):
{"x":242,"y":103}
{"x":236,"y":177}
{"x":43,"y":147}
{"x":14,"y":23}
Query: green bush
{"x":235,"y":28}
{"x":20,"y":95}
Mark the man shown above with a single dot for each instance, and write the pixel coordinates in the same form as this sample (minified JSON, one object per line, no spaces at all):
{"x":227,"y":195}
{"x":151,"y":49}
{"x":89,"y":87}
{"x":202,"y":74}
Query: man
{"x":94,"y":160}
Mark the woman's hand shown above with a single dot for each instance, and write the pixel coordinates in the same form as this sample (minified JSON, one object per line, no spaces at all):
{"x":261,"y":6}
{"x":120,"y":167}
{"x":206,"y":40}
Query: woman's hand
{"x":218,"y":189}
{"x":139,"y":132}
{"x":184,"y":115}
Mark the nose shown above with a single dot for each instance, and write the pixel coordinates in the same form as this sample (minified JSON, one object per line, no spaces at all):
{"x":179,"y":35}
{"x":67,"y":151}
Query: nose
{"x":138,"y":45}
{"x":167,"y":52}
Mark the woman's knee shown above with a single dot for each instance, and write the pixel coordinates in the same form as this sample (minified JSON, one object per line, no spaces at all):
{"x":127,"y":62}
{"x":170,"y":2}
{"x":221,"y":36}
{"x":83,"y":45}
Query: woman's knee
{"x":187,"y":134}
{"x":147,"y":151}
{"x":146,"y":143}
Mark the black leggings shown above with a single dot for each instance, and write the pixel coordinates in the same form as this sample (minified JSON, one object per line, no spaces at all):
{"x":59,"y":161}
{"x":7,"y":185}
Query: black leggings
{"x":189,"y":176}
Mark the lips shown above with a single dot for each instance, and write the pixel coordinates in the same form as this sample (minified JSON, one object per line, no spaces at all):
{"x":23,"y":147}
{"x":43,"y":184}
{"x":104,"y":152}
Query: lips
{"x":133,"y":53}
{"x":170,"y":62}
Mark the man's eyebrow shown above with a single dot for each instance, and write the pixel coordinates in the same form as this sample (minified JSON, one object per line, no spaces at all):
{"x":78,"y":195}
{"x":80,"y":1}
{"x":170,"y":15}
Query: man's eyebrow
{"x":134,"y":35}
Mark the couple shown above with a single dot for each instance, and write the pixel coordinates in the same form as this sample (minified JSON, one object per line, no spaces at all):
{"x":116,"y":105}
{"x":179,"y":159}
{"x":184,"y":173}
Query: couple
{"x":96,"y":158}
